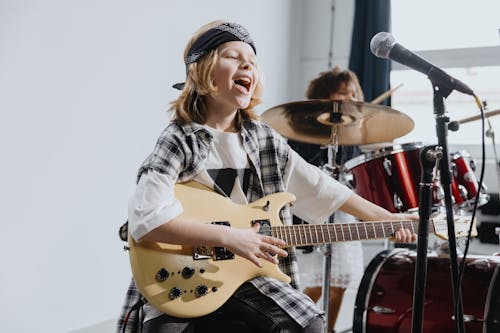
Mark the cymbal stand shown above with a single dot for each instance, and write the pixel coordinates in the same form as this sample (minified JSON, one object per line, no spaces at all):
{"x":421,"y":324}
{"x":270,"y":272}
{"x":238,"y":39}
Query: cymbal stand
{"x":490,"y":133}
{"x":333,"y":169}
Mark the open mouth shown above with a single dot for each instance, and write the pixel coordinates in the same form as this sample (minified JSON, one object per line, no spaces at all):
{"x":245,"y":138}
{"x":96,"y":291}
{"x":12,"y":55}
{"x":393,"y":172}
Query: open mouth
{"x":243,"y":84}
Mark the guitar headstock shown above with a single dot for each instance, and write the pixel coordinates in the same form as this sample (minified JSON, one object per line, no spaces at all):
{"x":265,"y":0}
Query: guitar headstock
{"x":461,"y":224}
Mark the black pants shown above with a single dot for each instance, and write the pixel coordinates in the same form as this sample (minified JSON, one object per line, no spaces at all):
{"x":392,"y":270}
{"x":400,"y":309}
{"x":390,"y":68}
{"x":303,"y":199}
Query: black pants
{"x":246,"y":311}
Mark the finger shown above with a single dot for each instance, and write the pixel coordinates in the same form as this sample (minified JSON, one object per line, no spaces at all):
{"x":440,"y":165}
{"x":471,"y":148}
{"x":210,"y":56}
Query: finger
{"x":272,"y":259}
{"x":274,"y":241}
{"x":405,"y":235}
{"x":274,"y":250}
{"x":400,"y":236}
{"x":253,"y":258}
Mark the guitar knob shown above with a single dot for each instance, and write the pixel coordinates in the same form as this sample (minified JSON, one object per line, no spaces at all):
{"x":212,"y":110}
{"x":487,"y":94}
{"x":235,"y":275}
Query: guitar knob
{"x":201,"y":290}
{"x":187,"y":272}
{"x":174,"y":293}
{"x":162,"y":275}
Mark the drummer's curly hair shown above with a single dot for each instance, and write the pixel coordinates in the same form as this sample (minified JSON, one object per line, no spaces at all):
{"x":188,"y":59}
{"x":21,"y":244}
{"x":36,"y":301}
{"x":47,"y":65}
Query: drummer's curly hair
{"x":190,"y":106}
{"x":327,"y":83}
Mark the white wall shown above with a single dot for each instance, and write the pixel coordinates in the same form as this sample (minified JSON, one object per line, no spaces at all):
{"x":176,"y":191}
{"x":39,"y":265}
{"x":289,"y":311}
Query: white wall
{"x":84,"y":86}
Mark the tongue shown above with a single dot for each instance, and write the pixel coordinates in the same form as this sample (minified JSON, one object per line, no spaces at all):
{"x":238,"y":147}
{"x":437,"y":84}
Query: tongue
{"x":241,"y":88}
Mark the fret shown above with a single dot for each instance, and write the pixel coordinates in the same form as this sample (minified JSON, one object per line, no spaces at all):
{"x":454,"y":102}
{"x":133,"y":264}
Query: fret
{"x":310,"y":234}
{"x":294,"y":234}
{"x":288,"y":236}
{"x":322,"y":234}
{"x":282,"y":236}
{"x":302,"y":242}
{"x":357,"y":230}
{"x":374,"y":230}
{"x":350,"y":231}
{"x":366,"y":231}
{"x":412,"y":224}
{"x":328,"y":229}
{"x":342,"y":229}
{"x":402,"y":225}
{"x":299,"y":228}
{"x":316,"y":232}
{"x":392,"y":229}
{"x":335,"y":232}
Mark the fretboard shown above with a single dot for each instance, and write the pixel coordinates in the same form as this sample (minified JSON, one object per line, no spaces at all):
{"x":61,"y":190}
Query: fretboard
{"x":316,"y":234}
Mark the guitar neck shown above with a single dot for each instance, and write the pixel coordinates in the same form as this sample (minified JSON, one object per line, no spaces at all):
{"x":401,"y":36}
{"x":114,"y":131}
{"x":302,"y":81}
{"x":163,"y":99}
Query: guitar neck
{"x":316,"y":234}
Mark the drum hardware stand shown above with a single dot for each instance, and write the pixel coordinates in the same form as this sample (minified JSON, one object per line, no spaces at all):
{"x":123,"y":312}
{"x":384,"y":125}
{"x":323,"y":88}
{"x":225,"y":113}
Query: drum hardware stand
{"x":332,"y":169}
{"x":490,"y":133}
{"x":442,"y":90}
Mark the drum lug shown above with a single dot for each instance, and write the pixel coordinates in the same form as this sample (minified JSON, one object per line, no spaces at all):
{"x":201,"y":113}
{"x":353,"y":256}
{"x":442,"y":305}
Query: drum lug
{"x":470,"y":319}
{"x":463,"y":192}
{"x":398,"y":204}
{"x":387,"y":166}
{"x":382,"y":310}
{"x":480,"y":264}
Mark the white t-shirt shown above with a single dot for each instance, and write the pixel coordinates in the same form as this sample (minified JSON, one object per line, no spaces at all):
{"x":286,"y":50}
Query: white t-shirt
{"x":153,"y":203}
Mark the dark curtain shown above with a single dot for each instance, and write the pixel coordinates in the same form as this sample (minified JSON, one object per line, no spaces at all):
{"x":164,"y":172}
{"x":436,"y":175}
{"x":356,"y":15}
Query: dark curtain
{"x":371,"y":17}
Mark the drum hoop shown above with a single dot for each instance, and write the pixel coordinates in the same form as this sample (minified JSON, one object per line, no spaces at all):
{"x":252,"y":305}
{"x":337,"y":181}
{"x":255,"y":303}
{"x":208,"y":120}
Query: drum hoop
{"x":373,"y":269}
{"x":383,"y":152}
{"x":461,"y":153}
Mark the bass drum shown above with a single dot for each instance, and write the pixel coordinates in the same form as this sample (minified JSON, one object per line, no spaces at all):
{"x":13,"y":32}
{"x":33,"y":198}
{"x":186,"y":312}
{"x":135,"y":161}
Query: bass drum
{"x":385,"y":296}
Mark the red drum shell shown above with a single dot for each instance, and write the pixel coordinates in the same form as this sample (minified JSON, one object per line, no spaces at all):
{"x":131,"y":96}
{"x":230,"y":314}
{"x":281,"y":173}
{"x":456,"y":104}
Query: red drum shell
{"x":465,"y":185}
{"x":383,"y":175}
{"x":385,"y":295}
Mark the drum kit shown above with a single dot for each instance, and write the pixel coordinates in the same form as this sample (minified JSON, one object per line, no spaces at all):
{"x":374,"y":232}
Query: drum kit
{"x":389,"y":177}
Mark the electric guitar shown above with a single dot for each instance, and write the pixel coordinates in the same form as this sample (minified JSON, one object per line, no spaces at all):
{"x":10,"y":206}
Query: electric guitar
{"x":192,"y":281}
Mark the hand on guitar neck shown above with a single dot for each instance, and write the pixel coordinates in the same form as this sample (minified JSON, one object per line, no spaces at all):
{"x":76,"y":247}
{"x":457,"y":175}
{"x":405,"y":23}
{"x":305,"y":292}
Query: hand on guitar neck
{"x":367,"y":211}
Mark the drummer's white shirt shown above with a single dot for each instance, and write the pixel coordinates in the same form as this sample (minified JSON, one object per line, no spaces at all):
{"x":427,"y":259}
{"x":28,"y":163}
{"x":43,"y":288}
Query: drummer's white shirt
{"x":153,"y":202}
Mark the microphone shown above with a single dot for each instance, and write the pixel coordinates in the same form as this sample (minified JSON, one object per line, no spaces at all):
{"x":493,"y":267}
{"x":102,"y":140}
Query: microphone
{"x":383,"y":45}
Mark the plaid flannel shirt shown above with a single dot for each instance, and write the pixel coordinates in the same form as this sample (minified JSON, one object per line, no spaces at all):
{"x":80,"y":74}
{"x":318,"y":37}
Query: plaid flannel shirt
{"x":181,"y":153}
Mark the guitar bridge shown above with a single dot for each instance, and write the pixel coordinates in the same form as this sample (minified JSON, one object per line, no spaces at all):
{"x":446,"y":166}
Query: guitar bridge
{"x":202,"y":252}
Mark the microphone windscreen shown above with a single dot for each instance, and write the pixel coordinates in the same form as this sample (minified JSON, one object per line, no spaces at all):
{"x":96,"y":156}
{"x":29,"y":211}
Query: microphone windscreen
{"x":381,"y":44}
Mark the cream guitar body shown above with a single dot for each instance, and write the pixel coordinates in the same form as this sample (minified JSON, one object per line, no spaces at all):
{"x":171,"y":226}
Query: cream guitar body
{"x":194,"y":287}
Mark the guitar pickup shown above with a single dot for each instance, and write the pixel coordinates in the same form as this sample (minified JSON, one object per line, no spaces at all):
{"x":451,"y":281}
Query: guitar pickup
{"x":222,"y":253}
{"x":265,"y":226}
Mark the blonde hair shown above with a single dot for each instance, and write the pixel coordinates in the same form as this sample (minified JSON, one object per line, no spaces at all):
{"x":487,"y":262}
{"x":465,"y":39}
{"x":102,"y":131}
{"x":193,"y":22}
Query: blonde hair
{"x":329,"y":82}
{"x":190,"y":106}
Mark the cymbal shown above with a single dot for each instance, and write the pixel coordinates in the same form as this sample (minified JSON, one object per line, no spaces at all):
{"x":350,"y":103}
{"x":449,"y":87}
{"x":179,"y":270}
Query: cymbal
{"x":477,"y":117}
{"x":360,"y":123}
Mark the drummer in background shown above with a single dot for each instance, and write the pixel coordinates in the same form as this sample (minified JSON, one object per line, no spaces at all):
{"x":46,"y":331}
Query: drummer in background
{"x":347,"y":257}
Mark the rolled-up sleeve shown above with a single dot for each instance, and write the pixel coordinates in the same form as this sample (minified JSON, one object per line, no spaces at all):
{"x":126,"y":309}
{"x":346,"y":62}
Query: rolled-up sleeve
{"x":318,"y":194}
{"x":152,"y":204}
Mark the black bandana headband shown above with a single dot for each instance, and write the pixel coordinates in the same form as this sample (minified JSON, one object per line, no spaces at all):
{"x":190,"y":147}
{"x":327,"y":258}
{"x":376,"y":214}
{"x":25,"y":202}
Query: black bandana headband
{"x":211,"y":39}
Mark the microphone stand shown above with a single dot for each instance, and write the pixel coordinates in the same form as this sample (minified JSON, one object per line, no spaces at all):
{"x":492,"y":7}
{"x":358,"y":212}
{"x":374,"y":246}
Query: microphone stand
{"x":429,"y":158}
{"x":442,"y":89}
